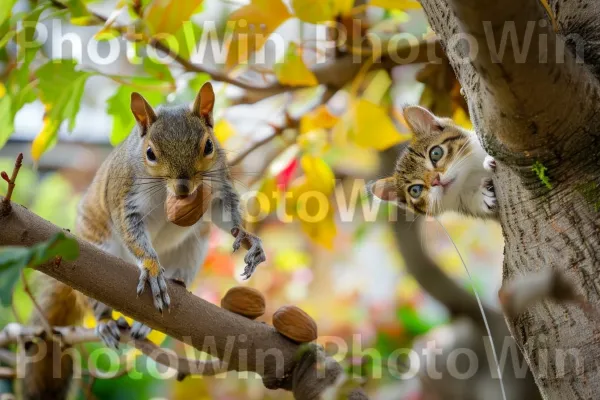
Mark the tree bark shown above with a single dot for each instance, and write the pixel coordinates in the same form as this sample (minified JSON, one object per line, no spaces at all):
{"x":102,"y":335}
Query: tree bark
{"x":540,"y":111}
{"x":244,"y":344}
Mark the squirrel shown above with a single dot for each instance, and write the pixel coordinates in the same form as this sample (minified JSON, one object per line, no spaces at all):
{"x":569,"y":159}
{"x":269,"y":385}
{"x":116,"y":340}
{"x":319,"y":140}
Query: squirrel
{"x":172,"y":150}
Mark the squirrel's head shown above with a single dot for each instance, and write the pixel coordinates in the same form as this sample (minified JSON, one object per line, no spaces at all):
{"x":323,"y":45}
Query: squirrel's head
{"x":178,"y":143}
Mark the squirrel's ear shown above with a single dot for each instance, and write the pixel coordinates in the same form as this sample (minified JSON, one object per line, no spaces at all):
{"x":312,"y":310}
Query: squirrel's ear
{"x":142,"y":111}
{"x":421,"y":121}
{"x":205,"y":100}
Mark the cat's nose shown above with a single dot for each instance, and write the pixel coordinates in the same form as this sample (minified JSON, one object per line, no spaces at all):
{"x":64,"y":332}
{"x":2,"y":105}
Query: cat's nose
{"x":436,"y":181}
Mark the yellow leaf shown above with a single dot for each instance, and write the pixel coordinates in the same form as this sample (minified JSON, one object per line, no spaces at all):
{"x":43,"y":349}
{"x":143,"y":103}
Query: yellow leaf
{"x":372,"y":127}
{"x":379,"y":83}
{"x":265,"y":202}
{"x":342,"y":7}
{"x":313,"y":11}
{"x":292,"y":71}
{"x":318,"y":118}
{"x":45,"y":139}
{"x":2,"y":90}
{"x":397,"y":4}
{"x":223,"y":130}
{"x":313,"y":208}
{"x":107,"y":34}
{"x":254,"y":23}
{"x":319,"y":175}
{"x":168,"y":16}
{"x":461,"y":118}
{"x":322,"y":232}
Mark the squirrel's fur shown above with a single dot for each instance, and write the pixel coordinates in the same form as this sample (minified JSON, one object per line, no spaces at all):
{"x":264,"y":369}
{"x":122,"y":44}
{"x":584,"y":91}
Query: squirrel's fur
{"x":172,"y":151}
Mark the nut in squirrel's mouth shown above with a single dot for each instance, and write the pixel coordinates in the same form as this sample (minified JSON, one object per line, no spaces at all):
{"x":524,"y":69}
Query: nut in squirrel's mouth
{"x":185,"y":196}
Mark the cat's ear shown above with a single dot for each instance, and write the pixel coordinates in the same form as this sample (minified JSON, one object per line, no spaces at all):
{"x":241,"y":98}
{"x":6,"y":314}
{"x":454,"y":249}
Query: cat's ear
{"x":384,"y":189}
{"x":142,"y":111}
{"x":421,"y":121}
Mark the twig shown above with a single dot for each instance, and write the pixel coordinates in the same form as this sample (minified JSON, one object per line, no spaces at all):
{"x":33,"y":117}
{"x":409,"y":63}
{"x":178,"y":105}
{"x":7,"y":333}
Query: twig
{"x":11,"y":184}
{"x":290,"y":123}
{"x":37,"y":307}
{"x":7,"y":373}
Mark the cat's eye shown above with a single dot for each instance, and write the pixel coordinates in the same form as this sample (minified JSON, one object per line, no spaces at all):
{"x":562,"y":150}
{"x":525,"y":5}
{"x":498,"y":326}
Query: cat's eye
{"x":208,"y":147}
{"x":415,"y":191}
{"x":436,"y":153}
{"x":150,"y":155}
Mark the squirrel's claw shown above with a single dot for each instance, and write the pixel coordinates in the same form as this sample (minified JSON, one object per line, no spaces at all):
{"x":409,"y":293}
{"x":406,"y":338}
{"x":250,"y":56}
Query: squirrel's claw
{"x":158,"y":286}
{"x":139,"y":331}
{"x":255,"y":255}
{"x":108,"y":331}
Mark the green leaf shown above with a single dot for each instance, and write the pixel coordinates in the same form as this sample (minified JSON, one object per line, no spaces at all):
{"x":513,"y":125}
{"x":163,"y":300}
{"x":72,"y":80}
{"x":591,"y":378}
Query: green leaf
{"x":118,"y":106}
{"x":61,"y":88}
{"x":158,"y":70}
{"x":14,"y":258}
{"x":6,"y":119}
{"x":6,"y":9}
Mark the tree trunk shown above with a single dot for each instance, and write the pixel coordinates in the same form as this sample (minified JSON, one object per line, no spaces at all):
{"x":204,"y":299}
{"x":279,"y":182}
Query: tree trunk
{"x":534,"y":110}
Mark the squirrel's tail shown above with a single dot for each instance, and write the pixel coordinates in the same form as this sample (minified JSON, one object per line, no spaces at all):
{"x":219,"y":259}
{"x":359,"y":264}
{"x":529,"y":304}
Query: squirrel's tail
{"x":50,"y":367}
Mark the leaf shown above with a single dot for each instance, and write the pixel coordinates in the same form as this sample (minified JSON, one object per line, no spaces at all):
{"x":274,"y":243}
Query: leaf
{"x":396,"y":4}
{"x":372,"y":127}
{"x":61,"y":88}
{"x":254,"y":23}
{"x":223,"y":130}
{"x":14,"y":258}
{"x":168,"y":16}
{"x":6,"y":9}
{"x":319,"y":118}
{"x":292,"y":71}
{"x":378,"y":85}
{"x":158,"y":70}
{"x":118,"y":106}
{"x":342,"y":7}
{"x":319,"y":175}
{"x":313,"y":11}
{"x":6,"y":119}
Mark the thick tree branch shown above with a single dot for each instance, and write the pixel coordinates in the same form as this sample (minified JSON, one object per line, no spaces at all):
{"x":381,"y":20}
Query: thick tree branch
{"x":243,"y":344}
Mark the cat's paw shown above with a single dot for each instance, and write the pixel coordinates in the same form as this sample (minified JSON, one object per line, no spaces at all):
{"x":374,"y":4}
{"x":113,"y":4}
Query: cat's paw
{"x":489,"y":164}
{"x":489,"y":204}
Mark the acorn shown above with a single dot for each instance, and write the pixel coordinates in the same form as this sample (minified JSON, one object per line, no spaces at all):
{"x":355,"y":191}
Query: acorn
{"x":295,"y":324}
{"x":244,"y":301}
{"x":188,"y":210}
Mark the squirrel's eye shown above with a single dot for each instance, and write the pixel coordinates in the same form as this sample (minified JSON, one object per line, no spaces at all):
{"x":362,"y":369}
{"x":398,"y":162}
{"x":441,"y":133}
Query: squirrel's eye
{"x":415,"y":191}
{"x":150,"y":154}
{"x":436,"y":153}
{"x":208,"y":147}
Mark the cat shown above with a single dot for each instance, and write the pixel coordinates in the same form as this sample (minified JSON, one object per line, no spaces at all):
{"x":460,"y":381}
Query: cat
{"x":443,"y":169}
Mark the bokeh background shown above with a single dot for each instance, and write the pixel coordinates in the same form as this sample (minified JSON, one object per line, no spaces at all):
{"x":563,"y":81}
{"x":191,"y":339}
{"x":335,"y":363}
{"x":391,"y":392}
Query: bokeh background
{"x":348,"y":275}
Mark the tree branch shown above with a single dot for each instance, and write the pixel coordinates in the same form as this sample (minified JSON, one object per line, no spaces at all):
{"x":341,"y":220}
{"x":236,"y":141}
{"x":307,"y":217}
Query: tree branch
{"x":243,"y":344}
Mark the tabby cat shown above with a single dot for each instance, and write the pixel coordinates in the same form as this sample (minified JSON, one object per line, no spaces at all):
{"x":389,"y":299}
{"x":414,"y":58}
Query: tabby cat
{"x":443,"y":169}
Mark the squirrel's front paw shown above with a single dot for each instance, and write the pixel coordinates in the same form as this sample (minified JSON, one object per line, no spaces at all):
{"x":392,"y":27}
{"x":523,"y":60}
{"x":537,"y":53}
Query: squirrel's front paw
{"x":489,"y":202}
{"x":108,"y":331}
{"x":139,"y":331}
{"x":153,"y":274}
{"x":255,"y":254}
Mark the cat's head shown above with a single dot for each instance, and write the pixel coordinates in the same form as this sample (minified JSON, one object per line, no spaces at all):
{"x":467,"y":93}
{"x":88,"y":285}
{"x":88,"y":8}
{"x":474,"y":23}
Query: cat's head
{"x":428,"y":168}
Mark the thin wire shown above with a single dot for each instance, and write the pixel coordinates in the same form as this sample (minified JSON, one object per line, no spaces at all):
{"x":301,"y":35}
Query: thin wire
{"x":487,"y":326}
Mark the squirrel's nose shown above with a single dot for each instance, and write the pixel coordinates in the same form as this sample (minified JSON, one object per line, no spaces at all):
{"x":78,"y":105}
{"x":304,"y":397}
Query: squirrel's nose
{"x":182,"y":188}
{"x":436,"y":181}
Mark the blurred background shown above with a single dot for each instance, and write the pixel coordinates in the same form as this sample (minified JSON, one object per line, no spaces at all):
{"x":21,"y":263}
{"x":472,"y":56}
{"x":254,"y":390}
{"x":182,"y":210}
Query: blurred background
{"x":349,"y":275}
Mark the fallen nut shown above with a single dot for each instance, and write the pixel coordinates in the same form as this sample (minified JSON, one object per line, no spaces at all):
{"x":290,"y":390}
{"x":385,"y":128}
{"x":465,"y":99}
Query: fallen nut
{"x":187,"y":211}
{"x":295,"y":324}
{"x":244,"y":301}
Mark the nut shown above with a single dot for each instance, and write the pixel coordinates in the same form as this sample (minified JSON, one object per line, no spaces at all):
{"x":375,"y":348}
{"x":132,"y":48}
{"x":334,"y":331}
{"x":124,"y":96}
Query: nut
{"x":187,"y":211}
{"x":245,"y":301}
{"x":295,"y":324}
